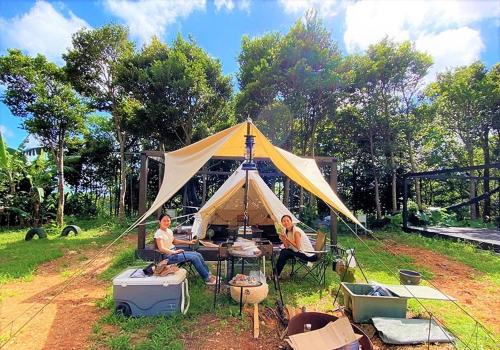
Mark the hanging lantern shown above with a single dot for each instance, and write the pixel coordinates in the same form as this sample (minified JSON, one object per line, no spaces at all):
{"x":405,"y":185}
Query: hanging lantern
{"x":249,"y":164}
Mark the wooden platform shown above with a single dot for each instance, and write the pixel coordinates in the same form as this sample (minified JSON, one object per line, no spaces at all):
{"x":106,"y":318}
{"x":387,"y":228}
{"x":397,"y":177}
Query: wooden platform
{"x":482,"y":237}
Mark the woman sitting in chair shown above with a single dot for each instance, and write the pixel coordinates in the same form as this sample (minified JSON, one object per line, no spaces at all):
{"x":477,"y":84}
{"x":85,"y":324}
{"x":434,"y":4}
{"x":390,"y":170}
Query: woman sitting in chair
{"x":296,"y":243}
{"x":164,"y":239}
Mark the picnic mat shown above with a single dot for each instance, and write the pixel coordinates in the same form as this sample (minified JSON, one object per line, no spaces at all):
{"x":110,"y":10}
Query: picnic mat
{"x":410,"y":331}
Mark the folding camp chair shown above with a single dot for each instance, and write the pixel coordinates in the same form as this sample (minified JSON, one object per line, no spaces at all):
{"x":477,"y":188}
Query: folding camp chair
{"x":159,"y":256}
{"x":315,"y":269}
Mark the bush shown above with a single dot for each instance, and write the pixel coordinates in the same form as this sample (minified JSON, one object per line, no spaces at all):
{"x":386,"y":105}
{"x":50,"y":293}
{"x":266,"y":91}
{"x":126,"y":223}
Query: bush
{"x":80,"y":205}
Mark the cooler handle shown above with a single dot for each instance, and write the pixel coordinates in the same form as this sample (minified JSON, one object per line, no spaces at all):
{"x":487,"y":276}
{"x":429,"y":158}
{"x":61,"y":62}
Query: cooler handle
{"x":186,"y":291}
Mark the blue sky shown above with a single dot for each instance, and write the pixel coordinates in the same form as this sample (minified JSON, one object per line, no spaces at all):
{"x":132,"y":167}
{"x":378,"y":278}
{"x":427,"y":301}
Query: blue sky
{"x":453,"y":32}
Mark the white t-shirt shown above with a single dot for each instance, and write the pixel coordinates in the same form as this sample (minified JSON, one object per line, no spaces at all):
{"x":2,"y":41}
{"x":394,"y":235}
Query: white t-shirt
{"x":166,"y":236}
{"x":305,"y":243}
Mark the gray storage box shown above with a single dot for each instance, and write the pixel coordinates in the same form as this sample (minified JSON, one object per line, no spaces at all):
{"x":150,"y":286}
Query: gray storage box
{"x":139,"y":295}
{"x":364,"y":307}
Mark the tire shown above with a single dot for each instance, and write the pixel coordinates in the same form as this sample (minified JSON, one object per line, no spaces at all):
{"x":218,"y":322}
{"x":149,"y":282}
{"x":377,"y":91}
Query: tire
{"x":123,"y":309}
{"x":71,"y":229}
{"x":38,"y":231}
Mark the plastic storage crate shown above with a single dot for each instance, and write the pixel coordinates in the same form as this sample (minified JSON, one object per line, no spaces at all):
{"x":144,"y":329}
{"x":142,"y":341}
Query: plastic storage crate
{"x":364,"y":307}
{"x":150,"y":295}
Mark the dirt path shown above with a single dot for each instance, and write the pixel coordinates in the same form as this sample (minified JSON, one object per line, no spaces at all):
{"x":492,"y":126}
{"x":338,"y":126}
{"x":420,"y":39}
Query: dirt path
{"x":458,"y":280}
{"x":65,"y":323}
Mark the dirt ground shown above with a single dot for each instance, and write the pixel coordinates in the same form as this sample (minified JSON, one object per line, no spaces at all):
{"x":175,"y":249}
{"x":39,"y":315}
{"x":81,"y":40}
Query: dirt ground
{"x":67,"y":322}
{"x":458,"y":280}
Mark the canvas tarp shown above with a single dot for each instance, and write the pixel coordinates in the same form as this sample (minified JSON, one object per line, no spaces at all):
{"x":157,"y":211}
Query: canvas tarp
{"x":182,"y":164}
{"x":223,"y":208}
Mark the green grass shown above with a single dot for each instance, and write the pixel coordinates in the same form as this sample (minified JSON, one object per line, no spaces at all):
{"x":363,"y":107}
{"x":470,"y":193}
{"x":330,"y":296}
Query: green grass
{"x":19,"y":259}
{"x":163,"y":333}
{"x":454,"y":319}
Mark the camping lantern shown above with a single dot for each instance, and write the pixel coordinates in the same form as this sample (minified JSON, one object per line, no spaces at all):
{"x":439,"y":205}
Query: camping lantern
{"x":249,"y":164}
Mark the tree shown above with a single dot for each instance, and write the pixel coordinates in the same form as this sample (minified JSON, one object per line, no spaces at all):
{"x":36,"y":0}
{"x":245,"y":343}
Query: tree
{"x":459,"y":98}
{"x":180,"y":90}
{"x":38,"y":91}
{"x":92,"y":65}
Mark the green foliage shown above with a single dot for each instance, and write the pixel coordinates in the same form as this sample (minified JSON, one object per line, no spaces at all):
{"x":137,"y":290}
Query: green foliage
{"x":20,"y":259}
{"x":179,"y":91}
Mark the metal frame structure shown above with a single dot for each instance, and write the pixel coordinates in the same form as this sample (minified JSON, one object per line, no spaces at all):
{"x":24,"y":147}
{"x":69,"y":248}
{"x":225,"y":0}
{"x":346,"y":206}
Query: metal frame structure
{"x":445,"y":174}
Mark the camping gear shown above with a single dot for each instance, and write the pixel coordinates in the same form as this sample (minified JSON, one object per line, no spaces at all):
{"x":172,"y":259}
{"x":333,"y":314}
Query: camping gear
{"x":138,"y":295}
{"x":409,"y":277}
{"x":401,"y":331}
{"x":227,"y":203}
{"x":364,"y":306}
{"x":163,"y":269}
{"x":318,"y":320}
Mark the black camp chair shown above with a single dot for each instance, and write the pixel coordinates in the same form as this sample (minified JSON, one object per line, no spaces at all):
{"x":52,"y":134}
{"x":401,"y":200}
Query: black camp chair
{"x":315,"y":269}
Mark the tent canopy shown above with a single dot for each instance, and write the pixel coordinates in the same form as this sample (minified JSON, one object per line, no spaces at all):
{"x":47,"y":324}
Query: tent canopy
{"x":223,"y":208}
{"x":182,"y":164}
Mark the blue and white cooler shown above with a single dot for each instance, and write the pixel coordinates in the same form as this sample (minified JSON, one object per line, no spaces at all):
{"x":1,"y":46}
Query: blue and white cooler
{"x":138,"y":295}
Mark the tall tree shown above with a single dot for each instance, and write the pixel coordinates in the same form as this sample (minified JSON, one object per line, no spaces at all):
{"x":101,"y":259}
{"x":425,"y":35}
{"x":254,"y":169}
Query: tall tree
{"x":181,"y":91}
{"x":458,"y":96}
{"x":38,"y":91}
{"x":92,"y":64}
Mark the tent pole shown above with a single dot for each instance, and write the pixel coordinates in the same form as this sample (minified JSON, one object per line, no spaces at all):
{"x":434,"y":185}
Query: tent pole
{"x":245,"y":199}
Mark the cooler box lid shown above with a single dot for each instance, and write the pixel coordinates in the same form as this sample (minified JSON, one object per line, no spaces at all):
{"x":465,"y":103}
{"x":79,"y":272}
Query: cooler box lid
{"x":135,"y":277}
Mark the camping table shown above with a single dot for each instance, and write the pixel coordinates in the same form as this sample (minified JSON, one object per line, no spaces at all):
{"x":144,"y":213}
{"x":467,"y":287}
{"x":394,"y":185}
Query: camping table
{"x":420,"y":292}
{"x":256,"y":284}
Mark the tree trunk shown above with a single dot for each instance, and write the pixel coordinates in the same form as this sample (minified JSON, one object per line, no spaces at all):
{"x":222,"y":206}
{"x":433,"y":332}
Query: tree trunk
{"x":394,"y":184}
{"x":60,"y":184}
{"x":472,"y":186}
{"x":375,"y":177}
{"x":486,"y":155}
{"x":414,"y":169}
{"x":123,"y":176}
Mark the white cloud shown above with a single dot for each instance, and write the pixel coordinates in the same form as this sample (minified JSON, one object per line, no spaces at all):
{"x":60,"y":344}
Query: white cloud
{"x":6,"y":132}
{"x":229,"y":5}
{"x":146,"y":18}
{"x":451,"y":48}
{"x":325,"y":8}
{"x":42,"y":29}
{"x":439,"y":27}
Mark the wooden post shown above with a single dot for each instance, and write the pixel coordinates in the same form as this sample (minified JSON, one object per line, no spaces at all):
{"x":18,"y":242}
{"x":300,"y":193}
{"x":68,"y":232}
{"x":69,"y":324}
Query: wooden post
{"x":286,"y":191}
{"x":161,"y":172}
{"x":256,"y":330}
{"x":333,"y":216}
{"x":143,"y":183}
{"x":204,"y":176}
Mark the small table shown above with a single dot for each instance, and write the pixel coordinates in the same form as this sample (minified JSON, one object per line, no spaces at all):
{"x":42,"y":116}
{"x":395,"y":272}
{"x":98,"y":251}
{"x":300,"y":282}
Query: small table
{"x":232,"y":284}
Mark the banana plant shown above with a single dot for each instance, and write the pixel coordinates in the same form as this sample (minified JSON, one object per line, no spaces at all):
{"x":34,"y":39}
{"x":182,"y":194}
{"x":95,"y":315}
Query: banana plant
{"x":11,"y":166}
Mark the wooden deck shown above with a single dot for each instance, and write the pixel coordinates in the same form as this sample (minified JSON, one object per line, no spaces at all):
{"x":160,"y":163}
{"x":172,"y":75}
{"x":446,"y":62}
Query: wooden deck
{"x":482,"y":237}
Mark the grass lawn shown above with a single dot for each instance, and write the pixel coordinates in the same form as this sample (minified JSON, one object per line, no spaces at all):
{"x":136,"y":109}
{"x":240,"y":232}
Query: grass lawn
{"x":163,"y":333}
{"x":19,"y":258}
